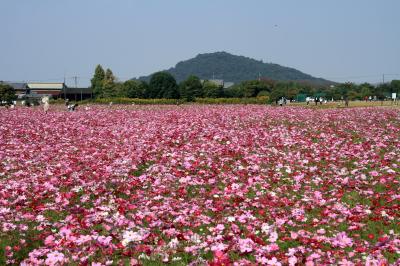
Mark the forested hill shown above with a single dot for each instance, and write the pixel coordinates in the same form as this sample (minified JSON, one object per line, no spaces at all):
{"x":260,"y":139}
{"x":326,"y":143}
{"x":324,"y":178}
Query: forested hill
{"x":233,"y":68}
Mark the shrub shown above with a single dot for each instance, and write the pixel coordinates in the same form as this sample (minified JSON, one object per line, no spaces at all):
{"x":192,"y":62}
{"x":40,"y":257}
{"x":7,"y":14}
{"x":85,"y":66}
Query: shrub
{"x":253,"y":100}
{"x":132,"y":101}
{"x":57,"y":101}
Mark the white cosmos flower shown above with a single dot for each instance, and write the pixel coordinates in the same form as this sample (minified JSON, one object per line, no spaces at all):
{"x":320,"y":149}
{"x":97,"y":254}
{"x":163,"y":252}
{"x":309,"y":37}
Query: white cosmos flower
{"x":265,"y":228}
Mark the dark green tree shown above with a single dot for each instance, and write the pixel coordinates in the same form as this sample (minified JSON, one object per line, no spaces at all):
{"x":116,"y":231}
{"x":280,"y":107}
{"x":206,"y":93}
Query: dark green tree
{"x":97,"y":81}
{"x":163,"y":85}
{"x":342,"y":91}
{"x":132,"y":89}
{"x":395,"y":86}
{"x":236,"y":91}
{"x":7,"y":94}
{"x":252,"y":87}
{"x":212,"y":90}
{"x":191,"y":88}
{"x":278,"y":92}
{"x":366,"y":90}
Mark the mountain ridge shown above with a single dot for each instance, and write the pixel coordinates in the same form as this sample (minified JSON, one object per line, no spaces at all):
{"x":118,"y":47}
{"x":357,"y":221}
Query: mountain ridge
{"x":236,"y":68}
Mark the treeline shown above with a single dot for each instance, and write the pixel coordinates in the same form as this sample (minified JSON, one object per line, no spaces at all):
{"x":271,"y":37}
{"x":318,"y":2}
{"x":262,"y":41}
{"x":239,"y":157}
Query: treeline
{"x":163,"y":85}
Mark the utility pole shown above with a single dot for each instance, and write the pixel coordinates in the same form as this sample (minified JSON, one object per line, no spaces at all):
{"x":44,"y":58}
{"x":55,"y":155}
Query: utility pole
{"x":383,"y":78}
{"x":65,"y":88}
{"x":76,"y":85}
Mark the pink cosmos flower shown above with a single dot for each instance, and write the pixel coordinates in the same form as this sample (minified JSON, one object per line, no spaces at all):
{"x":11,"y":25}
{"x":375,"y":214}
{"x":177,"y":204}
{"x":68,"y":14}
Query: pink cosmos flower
{"x":49,"y":241}
{"x":274,"y":262}
{"x":55,"y":258}
{"x":342,"y":240}
{"x":294,"y":235}
{"x":374,"y":173}
{"x":273,"y":236}
{"x":292,"y":261}
{"x":245,"y":245}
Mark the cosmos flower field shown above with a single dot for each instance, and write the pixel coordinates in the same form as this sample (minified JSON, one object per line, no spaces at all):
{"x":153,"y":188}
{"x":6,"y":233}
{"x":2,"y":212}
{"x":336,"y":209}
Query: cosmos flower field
{"x":198,"y":185}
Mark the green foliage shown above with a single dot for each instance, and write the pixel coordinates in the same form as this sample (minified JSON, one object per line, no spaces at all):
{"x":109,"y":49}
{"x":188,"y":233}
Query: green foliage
{"x":57,"y":101}
{"x":252,"y":87}
{"x":254,"y":100}
{"x":212,"y":90}
{"x":395,"y":86}
{"x":163,"y":85}
{"x":263,"y":94}
{"x":12,"y":239}
{"x":191,"y":88}
{"x":110,"y":89}
{"x":7,"y":94}
{"x":278,"y":92}
{"x":236,"y":91}
{"x":121,"y":100}
{"x":380,"y":90}
{"x":97,"y":81}
{"x":133,"y":89}
{"x":366,"y":90}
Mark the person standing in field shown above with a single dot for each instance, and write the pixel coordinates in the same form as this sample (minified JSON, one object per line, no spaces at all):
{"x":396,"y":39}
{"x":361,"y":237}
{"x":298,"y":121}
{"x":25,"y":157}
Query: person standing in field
{"x":346,"y":102}
{"x":46,"y":106}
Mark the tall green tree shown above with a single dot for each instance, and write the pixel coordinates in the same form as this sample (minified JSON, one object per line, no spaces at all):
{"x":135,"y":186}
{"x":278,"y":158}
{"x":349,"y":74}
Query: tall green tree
{"x":7,"y":94}
{"x":97,"y":81}
{"x":163,"y":85}
{"x":109,"y":85}
{"x":191,"y":88}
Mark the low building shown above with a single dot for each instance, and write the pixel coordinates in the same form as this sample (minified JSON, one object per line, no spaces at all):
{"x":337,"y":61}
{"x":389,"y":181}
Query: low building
{"x":77,"y":94}
{"x":37,"y":90}
{"x":40,"y":89}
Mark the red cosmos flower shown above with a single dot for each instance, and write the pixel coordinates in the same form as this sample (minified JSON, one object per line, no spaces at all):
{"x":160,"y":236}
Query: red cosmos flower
{"x":120,"y":246}
{"x":371,"y":236}
{"x":220,"y":259}
{"x":121,"y":209}
{"x":360,"y":249}
{"x":256,"y":239}
{"x":383,"y":239}
{"x":127,"y":253}
{"x":197,"y":212}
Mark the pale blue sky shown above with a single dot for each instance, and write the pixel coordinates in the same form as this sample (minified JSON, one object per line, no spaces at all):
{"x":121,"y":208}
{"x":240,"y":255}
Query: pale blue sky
{"x":355,"y":40}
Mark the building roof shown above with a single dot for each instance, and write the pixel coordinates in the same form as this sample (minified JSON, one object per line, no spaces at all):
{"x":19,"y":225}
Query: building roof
{"x":46,"y":86}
